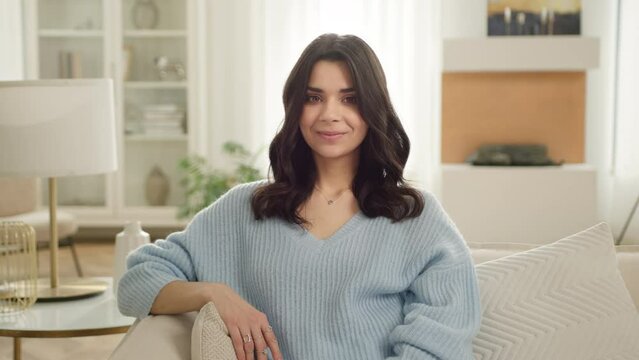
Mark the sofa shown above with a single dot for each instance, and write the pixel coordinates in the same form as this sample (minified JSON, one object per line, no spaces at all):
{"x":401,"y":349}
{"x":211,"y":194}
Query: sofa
{"x":576,"y":298}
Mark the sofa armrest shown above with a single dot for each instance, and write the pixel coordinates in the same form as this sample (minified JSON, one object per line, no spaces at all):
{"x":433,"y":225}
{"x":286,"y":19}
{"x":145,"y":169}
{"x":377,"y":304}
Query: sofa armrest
{"x":162,"y":337}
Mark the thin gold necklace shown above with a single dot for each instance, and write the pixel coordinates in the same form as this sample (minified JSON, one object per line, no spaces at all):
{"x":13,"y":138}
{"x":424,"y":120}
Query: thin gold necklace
{"x":329,"y":201}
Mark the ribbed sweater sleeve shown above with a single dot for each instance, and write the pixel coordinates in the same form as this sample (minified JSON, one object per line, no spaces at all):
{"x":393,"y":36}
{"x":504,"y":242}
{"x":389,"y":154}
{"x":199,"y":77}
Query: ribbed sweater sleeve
{"x":442,"y":311}
{"x":149,"y":271}
{"x":153,"y":266}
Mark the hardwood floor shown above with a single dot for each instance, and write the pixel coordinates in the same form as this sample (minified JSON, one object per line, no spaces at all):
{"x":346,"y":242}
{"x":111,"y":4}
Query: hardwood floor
{"x":96,"y":259}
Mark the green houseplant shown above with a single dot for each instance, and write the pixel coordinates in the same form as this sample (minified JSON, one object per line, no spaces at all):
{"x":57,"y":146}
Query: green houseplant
{"x":203,"y":184}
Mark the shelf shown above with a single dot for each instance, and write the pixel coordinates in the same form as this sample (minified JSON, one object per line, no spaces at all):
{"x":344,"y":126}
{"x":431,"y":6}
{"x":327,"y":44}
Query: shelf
{"x":520,"y":53}
{"x":519,"y":169}
{"x":154,"y":33}
{"x":144,"y":137}
{"x":155,"y":84}
{"x":70,"y":33}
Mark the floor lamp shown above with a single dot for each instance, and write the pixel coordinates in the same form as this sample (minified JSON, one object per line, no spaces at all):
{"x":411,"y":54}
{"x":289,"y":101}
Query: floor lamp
{"x":56,"y":128}
{"x":625,"y":225}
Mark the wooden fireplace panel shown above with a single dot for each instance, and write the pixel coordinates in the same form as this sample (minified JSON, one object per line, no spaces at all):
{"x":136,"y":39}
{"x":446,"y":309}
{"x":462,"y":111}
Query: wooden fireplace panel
{"x":513,"y":108}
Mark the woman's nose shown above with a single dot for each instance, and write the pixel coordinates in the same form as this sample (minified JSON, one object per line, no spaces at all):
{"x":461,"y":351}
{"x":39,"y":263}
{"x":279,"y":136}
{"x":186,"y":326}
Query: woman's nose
{"x":331,"y":111}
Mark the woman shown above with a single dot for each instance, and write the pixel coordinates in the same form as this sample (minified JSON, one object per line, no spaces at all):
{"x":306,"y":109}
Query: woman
{"x":335,"y":257}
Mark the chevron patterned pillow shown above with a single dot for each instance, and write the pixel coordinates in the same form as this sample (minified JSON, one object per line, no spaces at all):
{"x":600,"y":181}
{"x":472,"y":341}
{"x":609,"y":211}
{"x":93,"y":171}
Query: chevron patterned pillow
{"x":564,"y":301}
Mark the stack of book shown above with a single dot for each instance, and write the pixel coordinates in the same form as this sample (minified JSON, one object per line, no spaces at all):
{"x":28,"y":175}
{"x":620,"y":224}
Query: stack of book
{"x":163,"y":120}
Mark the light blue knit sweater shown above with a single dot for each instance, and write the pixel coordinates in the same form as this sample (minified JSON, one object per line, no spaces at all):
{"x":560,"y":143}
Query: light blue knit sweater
{"x":373,"y":290}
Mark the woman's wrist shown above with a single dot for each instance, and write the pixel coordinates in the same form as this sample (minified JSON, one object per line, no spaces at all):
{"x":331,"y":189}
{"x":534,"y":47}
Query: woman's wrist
{"x":209,"y":292}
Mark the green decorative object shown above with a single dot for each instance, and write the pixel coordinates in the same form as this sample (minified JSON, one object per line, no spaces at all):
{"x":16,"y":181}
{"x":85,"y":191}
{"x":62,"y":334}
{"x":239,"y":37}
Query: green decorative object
{"x":203,"y":185}
{"x":512,"y":155}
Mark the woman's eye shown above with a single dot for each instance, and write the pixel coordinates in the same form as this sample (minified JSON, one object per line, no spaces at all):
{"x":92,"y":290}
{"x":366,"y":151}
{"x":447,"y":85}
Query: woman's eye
{"x":312,"y":98}
{"x":350,"y":100}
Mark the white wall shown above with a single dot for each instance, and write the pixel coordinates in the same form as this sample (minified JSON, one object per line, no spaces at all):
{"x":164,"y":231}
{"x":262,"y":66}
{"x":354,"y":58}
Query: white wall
{"x":625,"y":170}
{"x":463,"y":18}
{"x":467,"y":18}
{"x":599,"y":19}
{"x":11,"y":61}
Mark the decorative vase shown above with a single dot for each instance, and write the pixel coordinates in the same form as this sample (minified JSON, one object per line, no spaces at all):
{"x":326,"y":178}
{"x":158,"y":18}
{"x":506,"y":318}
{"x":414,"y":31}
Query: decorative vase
{"x":145,"y":14}
{"x":157,"y":187}
{"x":126,"y":241}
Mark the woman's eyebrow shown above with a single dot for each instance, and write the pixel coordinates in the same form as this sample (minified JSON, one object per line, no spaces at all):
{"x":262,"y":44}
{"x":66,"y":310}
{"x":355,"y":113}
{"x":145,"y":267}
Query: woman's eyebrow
{"x":314,"y":89}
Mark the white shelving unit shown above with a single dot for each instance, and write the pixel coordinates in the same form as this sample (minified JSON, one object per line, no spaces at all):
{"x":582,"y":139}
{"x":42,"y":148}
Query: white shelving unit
{"x":520,"y":53}
{"x":157,"y":115}
{"x":155,"y":34}
{"x":156,"y":85}
{"x":44,"y":33}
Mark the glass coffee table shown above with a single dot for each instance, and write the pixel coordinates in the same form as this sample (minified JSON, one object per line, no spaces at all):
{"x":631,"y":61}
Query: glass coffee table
{"x":91,"y":316}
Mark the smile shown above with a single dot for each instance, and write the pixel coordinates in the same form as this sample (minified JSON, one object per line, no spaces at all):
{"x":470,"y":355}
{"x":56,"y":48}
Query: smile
{"x":330,"y":135}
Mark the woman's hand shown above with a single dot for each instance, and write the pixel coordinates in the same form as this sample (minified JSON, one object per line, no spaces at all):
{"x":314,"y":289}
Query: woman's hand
{"x":248,"y":327}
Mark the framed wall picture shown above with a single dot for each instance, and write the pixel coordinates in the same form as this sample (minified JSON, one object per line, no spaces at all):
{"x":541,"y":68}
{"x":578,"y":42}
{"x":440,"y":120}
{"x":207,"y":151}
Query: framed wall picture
{"x":534,"y":17}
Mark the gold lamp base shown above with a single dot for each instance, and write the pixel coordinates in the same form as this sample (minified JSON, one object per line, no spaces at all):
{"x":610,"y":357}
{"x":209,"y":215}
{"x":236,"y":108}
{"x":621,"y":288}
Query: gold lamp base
{"x":70,"y":289}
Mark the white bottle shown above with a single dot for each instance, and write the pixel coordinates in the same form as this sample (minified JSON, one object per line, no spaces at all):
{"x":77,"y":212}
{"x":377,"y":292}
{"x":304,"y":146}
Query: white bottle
{"x":128,"y":240}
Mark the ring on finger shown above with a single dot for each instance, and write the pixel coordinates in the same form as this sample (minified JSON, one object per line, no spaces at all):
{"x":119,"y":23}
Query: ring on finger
{"x":247,"y":338}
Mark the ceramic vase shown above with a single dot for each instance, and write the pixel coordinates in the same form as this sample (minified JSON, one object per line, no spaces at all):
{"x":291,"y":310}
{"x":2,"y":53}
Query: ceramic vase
{"x":145,"y":14}
{"x":157,"y":187}
{"x":126,"y":241}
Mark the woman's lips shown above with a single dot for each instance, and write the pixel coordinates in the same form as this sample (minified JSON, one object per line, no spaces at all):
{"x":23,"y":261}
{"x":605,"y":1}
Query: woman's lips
{"x":330,"y":135}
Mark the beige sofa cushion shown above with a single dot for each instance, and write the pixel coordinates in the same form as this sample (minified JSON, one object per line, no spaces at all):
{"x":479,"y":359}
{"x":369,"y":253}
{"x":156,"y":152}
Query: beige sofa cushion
{"x":17,"y":196}
{"x":18,"y":203}
{"x":565,"y":300}
{"x":67,"y":224}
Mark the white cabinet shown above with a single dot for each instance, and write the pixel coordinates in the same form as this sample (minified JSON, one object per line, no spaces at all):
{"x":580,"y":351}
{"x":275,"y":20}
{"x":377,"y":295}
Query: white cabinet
{"x":535,"y":205}
{"x":151,"y":50}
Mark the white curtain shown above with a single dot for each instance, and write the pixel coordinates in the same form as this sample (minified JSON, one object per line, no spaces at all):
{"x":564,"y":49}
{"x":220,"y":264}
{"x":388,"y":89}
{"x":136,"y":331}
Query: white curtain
{"x":253,"y":45}
{"x":626,"y":151}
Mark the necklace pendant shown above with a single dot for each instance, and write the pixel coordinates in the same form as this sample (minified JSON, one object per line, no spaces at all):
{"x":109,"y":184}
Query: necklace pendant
{"x":330,"y":202}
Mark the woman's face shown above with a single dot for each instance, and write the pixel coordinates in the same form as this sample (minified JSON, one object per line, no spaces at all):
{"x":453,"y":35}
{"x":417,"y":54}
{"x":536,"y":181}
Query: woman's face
{"x":331,"y":123}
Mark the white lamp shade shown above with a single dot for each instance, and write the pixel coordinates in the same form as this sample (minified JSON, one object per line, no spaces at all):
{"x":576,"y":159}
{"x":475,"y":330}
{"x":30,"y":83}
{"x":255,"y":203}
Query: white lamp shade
{"x":54,"y":128}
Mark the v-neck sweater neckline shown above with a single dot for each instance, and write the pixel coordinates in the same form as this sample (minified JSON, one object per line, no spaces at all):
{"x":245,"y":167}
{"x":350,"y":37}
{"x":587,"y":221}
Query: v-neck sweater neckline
{"x":298,"y":232}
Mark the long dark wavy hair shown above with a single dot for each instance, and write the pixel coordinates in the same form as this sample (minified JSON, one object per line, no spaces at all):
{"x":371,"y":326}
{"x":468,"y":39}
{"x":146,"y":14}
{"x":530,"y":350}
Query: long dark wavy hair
{"x":379,"y":185}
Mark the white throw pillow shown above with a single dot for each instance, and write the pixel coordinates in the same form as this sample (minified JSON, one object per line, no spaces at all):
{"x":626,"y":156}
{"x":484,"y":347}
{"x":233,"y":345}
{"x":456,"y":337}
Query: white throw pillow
{"x":210,"y":338}
{"x":561,"y":301}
